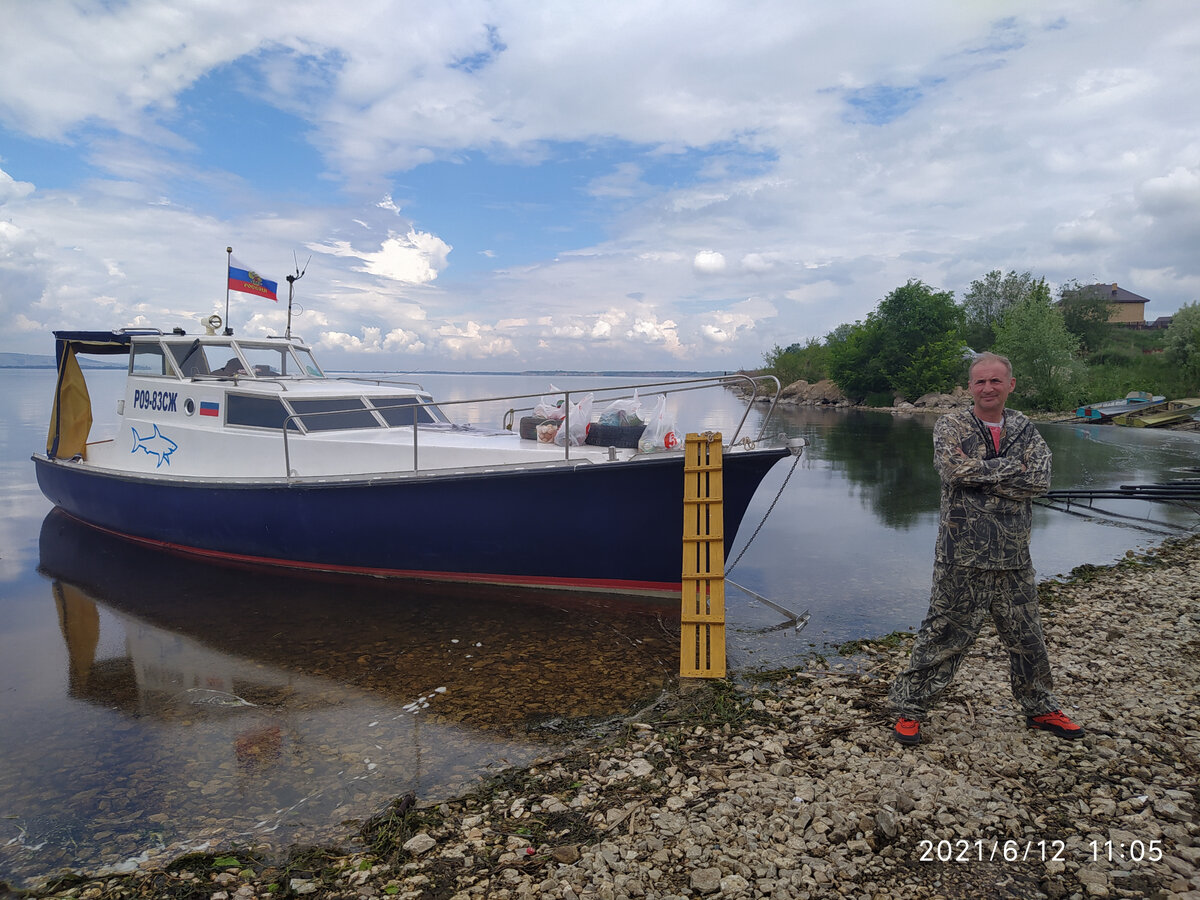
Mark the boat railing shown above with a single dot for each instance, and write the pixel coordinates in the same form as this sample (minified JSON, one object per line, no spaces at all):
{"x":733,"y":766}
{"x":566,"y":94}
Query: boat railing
{"x":750,"y":383}
{"x":243,"y":378}
{"x":380,"y":382}
{"x":766,"y":387}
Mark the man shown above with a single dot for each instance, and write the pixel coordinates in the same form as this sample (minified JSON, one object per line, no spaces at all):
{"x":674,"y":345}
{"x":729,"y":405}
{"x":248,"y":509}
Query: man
{"x":992,"y":462}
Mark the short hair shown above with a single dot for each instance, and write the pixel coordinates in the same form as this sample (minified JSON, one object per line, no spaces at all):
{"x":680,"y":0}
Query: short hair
{"x":989,"y":358}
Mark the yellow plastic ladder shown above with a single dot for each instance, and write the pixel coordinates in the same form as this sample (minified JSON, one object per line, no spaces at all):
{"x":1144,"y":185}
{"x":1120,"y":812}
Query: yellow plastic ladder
{"x":702,"y":617}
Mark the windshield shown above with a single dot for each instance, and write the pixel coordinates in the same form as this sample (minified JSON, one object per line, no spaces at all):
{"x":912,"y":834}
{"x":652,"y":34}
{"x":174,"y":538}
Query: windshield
{"x":206,"y":359}
{"x":310,"y":365}
{"x":269,"y":362}
{"x":259,"y":360}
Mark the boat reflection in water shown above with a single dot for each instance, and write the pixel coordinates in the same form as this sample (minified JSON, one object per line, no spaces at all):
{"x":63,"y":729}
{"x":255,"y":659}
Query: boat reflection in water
{"x":236,"y":707}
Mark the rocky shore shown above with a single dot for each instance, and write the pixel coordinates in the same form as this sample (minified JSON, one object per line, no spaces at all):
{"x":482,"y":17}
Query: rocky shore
{"x":791,"y":786}
{"x":826,"y":395}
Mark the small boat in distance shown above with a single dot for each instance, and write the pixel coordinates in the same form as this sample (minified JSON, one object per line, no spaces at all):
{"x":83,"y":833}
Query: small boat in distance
{"x":244,"y":450}
{"x":1168,"y":413}
{"x":1106,"y":409}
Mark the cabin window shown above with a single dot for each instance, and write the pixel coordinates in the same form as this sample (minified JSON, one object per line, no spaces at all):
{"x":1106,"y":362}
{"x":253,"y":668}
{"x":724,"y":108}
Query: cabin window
{"x":311,"y":369}
{"x":190,"y":359}
{"x":213,"y":359}
{"x":148,"y":359}
{"x":334,"y":413}
{"x":398,"y":411}
{"x":257,"y":412}
{"x":269,"y":362}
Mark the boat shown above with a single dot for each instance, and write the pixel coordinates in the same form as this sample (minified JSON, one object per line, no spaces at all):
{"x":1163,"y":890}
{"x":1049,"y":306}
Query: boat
{"x":1134,"y":401}
{"x":1168,"y":413}
{"x":245,"y":451}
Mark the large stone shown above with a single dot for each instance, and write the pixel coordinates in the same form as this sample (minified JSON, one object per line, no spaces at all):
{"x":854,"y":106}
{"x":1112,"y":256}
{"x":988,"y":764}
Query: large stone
{"x":822,"y":392}
{"x":706,"y":881}
{"x":885,"y":824}
{"x":419,"y":843}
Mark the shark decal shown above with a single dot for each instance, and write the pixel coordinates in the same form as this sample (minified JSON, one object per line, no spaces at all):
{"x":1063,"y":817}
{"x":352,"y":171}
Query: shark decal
{"x":157,"y":444}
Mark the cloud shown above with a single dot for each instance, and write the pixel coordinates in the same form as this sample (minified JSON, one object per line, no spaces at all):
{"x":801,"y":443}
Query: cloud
{"x":1085,"y":234}
{"x":372,"y":341}
{"x":649,"y":330}
{"x":1177,"y":192}
{"x":758,"y":262}
{"x":109,"y":64}
{"x":415,"y":257}
{"x":721,"y":328}
{"x":11,"y":189}
{"x":369,"y":342}
{"x":474,"y":341}
{"x":624,"y":182}
{"x":708,"y":262}
{"x":400,"y":340}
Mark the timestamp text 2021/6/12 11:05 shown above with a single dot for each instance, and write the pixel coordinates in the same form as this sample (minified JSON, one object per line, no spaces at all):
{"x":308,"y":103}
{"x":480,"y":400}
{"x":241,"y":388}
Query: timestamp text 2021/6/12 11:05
{"x":962,"y":850}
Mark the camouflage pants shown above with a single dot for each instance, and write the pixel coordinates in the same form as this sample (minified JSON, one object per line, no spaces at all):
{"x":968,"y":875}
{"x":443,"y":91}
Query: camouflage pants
{"x":962,"y":598}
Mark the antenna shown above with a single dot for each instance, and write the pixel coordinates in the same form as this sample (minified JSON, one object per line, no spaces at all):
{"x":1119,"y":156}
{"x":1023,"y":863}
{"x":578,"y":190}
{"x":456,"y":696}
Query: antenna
{"x":291,"y":280}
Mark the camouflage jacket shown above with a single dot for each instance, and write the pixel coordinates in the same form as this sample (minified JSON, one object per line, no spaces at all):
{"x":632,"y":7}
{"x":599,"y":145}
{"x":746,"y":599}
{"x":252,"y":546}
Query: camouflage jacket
{"x":987,"y":507}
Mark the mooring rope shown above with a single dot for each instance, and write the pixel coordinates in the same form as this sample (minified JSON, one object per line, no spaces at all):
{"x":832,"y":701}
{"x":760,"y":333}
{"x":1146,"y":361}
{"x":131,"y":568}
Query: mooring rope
{"x":795,"y":462}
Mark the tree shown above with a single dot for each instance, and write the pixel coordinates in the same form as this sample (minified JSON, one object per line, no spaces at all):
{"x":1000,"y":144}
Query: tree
{"x":1034,"y":337}
{"x":1182,"y":341}
{"x":1086,"y":313}
{"x":854,"y":359}
{"x":908,"y":344}
{"x":808,"y":361}
{"x":920,"y":347}
{"x":985,"y":303}
{"x":936,"y":366}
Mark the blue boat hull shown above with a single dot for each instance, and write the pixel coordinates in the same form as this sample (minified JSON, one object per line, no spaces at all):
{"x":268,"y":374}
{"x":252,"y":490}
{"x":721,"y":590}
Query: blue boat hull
{"x":595,"y":527}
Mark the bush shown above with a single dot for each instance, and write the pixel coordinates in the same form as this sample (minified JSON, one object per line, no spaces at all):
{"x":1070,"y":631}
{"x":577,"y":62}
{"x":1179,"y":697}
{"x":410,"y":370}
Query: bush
{"x":808,"y":362}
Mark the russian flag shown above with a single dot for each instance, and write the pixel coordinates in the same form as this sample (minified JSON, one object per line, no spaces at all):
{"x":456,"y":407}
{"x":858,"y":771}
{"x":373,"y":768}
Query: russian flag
{"x":209,"y":409}
{"x":248,"y":281}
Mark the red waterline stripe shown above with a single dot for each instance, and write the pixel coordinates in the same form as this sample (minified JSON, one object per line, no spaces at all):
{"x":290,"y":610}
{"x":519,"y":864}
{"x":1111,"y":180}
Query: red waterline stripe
{"x":607,"y":585}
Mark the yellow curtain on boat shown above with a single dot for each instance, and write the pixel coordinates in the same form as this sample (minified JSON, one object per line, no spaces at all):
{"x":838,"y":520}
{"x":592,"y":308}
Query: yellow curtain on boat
{"x":71,"y":419}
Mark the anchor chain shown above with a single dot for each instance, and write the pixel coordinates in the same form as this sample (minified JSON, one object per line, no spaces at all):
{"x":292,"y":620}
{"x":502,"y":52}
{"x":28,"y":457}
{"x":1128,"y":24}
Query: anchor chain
{"x":795,"y":462}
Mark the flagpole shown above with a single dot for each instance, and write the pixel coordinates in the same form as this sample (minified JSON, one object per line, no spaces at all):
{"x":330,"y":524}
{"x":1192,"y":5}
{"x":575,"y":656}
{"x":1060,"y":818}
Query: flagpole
{"x":228,"y":266}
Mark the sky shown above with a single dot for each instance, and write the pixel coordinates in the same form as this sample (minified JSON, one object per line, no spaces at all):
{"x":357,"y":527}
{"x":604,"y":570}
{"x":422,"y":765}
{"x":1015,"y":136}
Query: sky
{"x":520,"y":185}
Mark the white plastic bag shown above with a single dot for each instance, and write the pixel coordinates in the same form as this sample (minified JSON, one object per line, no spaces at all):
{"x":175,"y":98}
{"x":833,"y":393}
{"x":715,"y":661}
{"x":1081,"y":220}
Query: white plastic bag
{"x":581,"y":416}
{"x":550,"y":407}
{"x":660,"y":431}
{"x":623,"y":412}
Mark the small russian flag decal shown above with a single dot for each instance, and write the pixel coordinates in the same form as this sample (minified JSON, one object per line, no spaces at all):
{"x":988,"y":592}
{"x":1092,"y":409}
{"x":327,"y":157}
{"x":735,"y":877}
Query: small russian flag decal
{"x":209,"y":409}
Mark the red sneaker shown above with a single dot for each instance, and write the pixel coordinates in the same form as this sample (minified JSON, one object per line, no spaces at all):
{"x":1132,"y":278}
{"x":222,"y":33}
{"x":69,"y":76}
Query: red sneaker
{"x":907,"y":731}
{"x":1056,"y":723}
